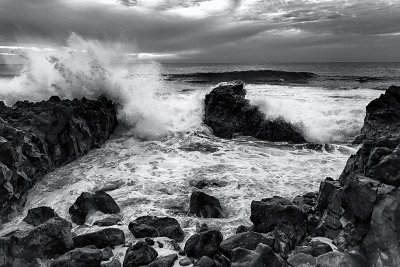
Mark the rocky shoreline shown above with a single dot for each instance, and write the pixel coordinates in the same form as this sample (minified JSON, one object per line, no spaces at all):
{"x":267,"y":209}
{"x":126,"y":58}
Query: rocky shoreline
{"x":352,"y":221}
{"x":35,"y":138}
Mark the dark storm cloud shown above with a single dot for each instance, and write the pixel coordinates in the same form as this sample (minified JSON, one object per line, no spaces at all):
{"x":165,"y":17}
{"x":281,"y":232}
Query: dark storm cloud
{"x":231,"y":30}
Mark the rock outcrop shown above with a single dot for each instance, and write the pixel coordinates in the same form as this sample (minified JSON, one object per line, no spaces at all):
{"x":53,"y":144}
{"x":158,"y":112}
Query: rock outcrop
{"x":35,"y":138}
{"x":228,"y":113}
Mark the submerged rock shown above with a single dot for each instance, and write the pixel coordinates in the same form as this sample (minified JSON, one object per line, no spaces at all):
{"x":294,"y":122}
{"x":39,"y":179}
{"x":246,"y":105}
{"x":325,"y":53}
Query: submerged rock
{"x":153,"y":226}
{"x":228,"y":113}
{"x":205,"y":243}
{"x":104,"y":238}
{"x":37,"y":137}
{"x":205,"y":206}
{"x":39,"y":215}
{"x":87,"y":202}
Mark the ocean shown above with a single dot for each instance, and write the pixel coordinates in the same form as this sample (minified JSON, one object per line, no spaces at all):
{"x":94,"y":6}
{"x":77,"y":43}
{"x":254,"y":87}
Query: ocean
{"x":162,"y":150}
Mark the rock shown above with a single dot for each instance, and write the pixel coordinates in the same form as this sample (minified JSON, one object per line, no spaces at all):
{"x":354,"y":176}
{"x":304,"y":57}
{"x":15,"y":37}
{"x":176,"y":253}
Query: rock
{"x":203,"y":244}
{"x":152,"y":226}
{"x":149,"y":241}
{"x":39,"y":215}
{"x":176,"y":247}
{"x":139,"y":254}
{"x":227,"y":112}
{"x":142,"y":230}
{"x":247,"y":240}
{"x":326,"y":190}
{"x":104,"y":238}
{"x":205,"y":206}
{"x":87,"y":202}
{"x":243,"y":229}
{"x":109,"y":221}
{"x":209,"y":183}
{"x":79,"y":257}
{"x":35,"y":138}
{"x":302,"y":260}
{"x":205,"y":262}
{"x":113,"y":263}
{"x":6,"y":254}
{"x":336,"y":259}
{"x":221,"y":261}
{"x":382,"y":243}
{"x":313,"y":248}
{"x":107,"y":254}
{"x":165,"y":261}
{"x":279,"y":214}
{"x":45,"y":241}
{"x":185,"y":262}
{"x":306,"y":202}
{"x":262,"y":256}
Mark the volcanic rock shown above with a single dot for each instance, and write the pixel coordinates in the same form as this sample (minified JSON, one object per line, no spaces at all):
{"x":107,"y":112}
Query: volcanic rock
{"x":203,"y":244}
{"x":37,"y":137}
{"x":104,"y":238}
{"x":165,"y":261}
{"x":39,"y":215}
{"x":139,"y":254}
{"x":79,"y":257}
{"x":228,"y":113}
{"x":152,"y":226}
{"x":260,"y":257}
{"x":205,"y":206}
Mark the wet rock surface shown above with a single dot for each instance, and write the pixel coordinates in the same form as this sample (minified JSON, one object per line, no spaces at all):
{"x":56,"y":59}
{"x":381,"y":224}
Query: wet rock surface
{"x":37,"y":137}
{"x":205,"y":243}
{"x":79,"y":257}
{"x":39,"y":215}
{"x":228,"y":113}
{"x":101,"y":239}
{"x":139,"y":254}
{"x":206,"y":206}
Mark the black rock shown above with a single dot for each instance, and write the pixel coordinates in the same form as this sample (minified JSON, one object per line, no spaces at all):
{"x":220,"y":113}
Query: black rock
{"x":39,"y":215}
{"x":139,"y":254}
{"x":227,"y":112}
{"x":247,"y":240}
{"x":204,"y":205}
{"x":113,"y":263}
{"x":109,"y":221}
{"x":104,"y":238}
{"x":203,"y":244}
{"x":204,"y":262}
{"x":149,"y":241}
{"x":152,"y":226}
{"x":79,"y":257}
{"x":279,"y":214}
{"x":107,"y":254}
{"x":165,"y":261}
{"x":35,"y":138}
{"x":262,"y":256}
{"x":87,"y":202}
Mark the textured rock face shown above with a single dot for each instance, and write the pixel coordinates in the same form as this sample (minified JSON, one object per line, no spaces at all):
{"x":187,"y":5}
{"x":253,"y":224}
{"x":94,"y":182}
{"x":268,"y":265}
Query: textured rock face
{"x":101,"y":239}
{"x":38,"y":137}
{"x":153,"y":226}
{"x":203,"y":244}
{"x":139,"y":254}
{"x":39,"y":215}
{"x":79,"y":257}
{"x":260,"y":257}
{"x":227,"y":112}
{"x":205,"y":206}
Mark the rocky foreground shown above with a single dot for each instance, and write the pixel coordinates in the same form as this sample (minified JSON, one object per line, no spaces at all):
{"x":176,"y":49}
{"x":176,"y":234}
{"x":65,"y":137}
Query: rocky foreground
{"x":352,"y":221}
{"x":35,"y":138}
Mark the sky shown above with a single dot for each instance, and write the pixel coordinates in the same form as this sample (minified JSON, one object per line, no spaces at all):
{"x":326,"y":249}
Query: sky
{"x":237,"y":31}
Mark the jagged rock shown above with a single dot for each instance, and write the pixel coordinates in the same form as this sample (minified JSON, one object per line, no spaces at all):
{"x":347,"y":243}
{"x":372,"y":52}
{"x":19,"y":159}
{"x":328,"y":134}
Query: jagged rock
{"x":109,"y":221}
{"x":382,"y":242}
{"x":113,"y":263}
{"x":227,"y":112}
{"x":205,"y":262}
{"x":280,"y":214}
{"x":203,"y":244}
{"x":35,"y":138}
{"x":39,"y":215}
{"x":152,"y":226}
{"x":79,"y":257}
{"x":306,"y":202}
{"x":87,"y":202}
{"x":302,"y":260}
{"x":45,"y":241}
{"x":247,"y":240}
{"x":262,"y":256}
{"x":165,"y":261}
{"x":326,"y":189}
{"x":313,"y":248}
{"x":204,"y":205}
{"x":337,"y":259}
{"x":139,"y":254}
{"x":243,"y":229}
{"x":104,"y":238}
{"x":107,"y":254}
{"x":149,"y":241}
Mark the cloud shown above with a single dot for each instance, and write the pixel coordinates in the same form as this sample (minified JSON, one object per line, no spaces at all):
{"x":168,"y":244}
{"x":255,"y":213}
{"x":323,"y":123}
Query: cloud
{"x":217,"y":30}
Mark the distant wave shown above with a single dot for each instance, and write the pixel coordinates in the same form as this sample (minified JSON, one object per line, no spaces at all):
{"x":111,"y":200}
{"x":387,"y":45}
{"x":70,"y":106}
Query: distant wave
{"x":249,"y":76}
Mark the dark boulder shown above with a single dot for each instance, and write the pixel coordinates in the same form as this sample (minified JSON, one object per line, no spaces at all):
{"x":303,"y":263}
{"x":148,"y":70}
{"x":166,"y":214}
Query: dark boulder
{"x":113,"y":263}
{"x":313,"y":248}
{"x":337,"y":259}
{"x":45,"y":241}
{"x":79,"y":257}
{"x":204,"y":262}
{"x":281,"y":215}
{"x":108,"y":221}
{"x":221,"y":261}
{"x":205,"y":206}
{"x":262,"y":256}
{"x":139,"y":254}
{"x":302,"y":260}
{"x":39,"y":215}
{"x":165,"y":261}
{"x":87,"y":202}
{"x":205,"y":243}
{"x":6,"y":254}
{"x":153,"y":226}
{"x":247,"y":240}
{"x":37,"y":137}
{"x":228,"y":113}
{"x":104,"y":238}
